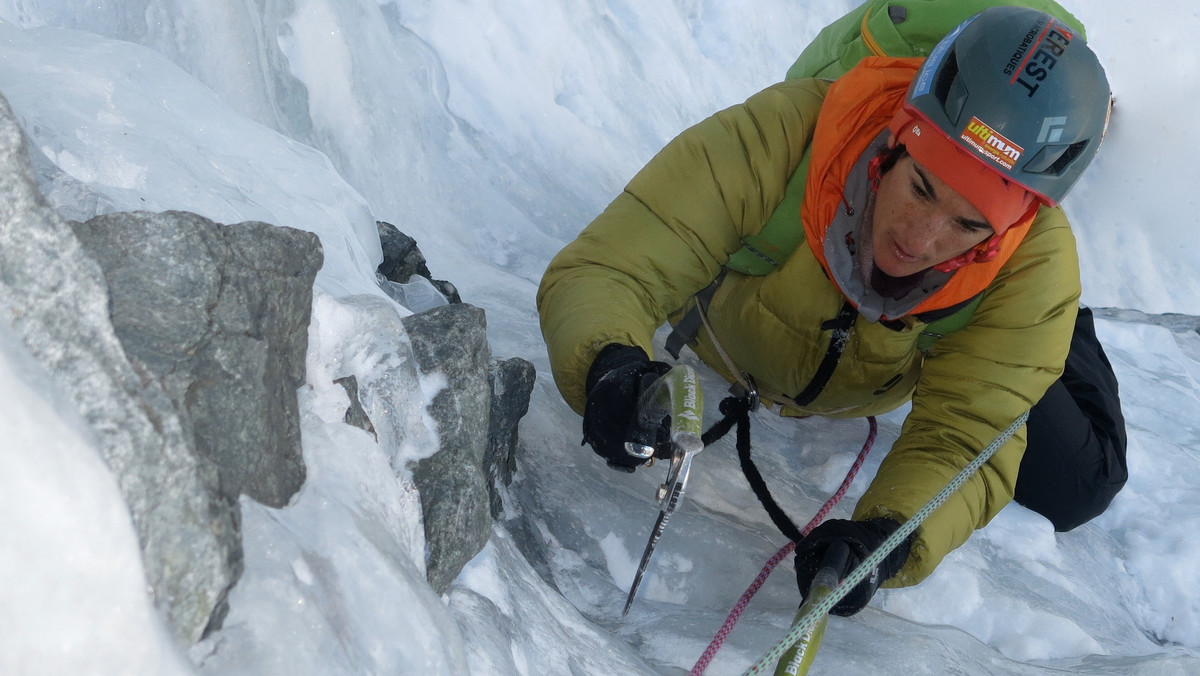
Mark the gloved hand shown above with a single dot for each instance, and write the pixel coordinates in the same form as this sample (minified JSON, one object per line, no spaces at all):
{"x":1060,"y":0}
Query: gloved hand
{"x":862,"y":538}
{"x":616,"y":379}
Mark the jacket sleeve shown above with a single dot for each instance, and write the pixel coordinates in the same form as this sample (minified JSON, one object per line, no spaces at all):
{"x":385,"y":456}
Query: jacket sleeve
{"x":668,"y":234}
{"x":973,"y":385}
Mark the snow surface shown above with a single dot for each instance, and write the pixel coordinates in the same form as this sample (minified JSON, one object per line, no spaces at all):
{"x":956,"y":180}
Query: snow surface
{"x":492,"y":132}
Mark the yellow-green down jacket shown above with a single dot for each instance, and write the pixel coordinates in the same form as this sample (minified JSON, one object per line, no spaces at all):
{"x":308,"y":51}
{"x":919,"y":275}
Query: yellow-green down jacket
{"x":677,"y":222}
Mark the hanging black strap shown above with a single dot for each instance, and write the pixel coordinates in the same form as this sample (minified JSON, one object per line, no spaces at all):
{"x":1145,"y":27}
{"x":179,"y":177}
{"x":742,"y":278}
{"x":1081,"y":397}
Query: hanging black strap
{"x":737,"y":410}
{"x":840,"y":328}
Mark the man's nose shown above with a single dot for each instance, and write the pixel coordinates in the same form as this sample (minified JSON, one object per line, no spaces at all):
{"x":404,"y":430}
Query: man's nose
{"x":924,"y":232}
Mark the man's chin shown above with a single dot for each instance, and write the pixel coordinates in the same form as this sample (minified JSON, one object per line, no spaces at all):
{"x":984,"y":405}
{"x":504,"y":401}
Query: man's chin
{"x":897,"y":270}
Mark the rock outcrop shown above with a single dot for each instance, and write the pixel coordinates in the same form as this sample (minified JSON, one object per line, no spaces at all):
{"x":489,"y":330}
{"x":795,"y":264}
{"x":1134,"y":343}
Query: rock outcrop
{"x":476,"y":414}
{"x":218,"y":315}
{"x":181,"y":342}
{"x":56,"y":298}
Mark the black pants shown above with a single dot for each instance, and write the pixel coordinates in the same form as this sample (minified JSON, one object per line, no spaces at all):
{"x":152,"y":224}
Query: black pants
{"x":1075,"y":461}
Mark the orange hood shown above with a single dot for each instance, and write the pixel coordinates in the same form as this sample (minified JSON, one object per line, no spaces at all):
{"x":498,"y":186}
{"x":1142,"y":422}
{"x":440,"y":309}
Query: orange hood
{"x":858,"y":107}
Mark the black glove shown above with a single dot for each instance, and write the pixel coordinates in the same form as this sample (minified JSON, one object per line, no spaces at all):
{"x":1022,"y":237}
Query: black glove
{"x":616,"y":379}
{"x":862,"y":538}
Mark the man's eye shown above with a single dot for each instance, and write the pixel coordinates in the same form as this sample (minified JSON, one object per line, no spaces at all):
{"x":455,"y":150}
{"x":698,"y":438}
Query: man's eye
{"x":919,"y":191}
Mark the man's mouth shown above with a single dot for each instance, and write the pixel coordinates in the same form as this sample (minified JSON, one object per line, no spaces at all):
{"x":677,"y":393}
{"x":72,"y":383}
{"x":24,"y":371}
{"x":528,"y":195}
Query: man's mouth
{"x":901,"y":253}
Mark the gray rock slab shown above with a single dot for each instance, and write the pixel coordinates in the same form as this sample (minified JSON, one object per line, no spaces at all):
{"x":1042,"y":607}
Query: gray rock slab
{"x":56,"y":299}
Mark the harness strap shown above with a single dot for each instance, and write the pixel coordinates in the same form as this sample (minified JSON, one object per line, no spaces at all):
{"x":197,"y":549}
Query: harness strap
{"x":686,"y":330}
{"x":840,"y":326}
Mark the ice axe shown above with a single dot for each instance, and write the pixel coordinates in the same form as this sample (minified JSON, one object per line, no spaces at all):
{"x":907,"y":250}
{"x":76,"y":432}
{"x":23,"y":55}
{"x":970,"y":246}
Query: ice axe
{"x":799,"y":657}
{"x":677,"y":395}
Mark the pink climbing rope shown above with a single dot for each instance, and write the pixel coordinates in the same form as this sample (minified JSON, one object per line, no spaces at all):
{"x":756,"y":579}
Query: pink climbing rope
{"x":734,"y":615}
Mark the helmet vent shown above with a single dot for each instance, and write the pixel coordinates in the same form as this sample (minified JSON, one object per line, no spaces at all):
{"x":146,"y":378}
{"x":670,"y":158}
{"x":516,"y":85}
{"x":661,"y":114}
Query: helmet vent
{"x":950,"y":89}
{"x":1054,"y":159}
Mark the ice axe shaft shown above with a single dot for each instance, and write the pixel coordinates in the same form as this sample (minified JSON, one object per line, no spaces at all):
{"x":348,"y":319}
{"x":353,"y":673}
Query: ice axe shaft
{"x":676,"y":394}
{"x":799,"y":657}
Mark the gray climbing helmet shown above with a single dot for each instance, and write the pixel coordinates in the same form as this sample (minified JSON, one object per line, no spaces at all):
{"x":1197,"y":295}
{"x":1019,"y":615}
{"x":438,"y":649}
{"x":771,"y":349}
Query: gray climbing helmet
{"x":1021,"y":91}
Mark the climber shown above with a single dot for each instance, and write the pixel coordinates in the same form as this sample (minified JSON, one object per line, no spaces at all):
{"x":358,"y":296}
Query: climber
{"x":931,"y":188}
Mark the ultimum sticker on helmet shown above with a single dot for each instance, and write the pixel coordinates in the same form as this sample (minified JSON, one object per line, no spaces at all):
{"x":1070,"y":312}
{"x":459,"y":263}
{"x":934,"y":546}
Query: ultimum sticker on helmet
{"x":991,"y":144}
{"x":1019,"y":91}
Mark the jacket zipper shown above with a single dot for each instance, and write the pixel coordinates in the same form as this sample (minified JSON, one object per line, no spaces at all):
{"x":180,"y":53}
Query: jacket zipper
{"x":869,"y":39}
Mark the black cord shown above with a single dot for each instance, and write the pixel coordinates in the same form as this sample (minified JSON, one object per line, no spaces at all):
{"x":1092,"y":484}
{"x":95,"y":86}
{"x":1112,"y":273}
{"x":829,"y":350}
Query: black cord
{"x":737,"y":410}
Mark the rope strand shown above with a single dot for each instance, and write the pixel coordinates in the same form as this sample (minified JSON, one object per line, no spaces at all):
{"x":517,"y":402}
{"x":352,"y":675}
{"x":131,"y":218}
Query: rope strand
{"x":860,"y":573}
{"x":736,"y":613}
